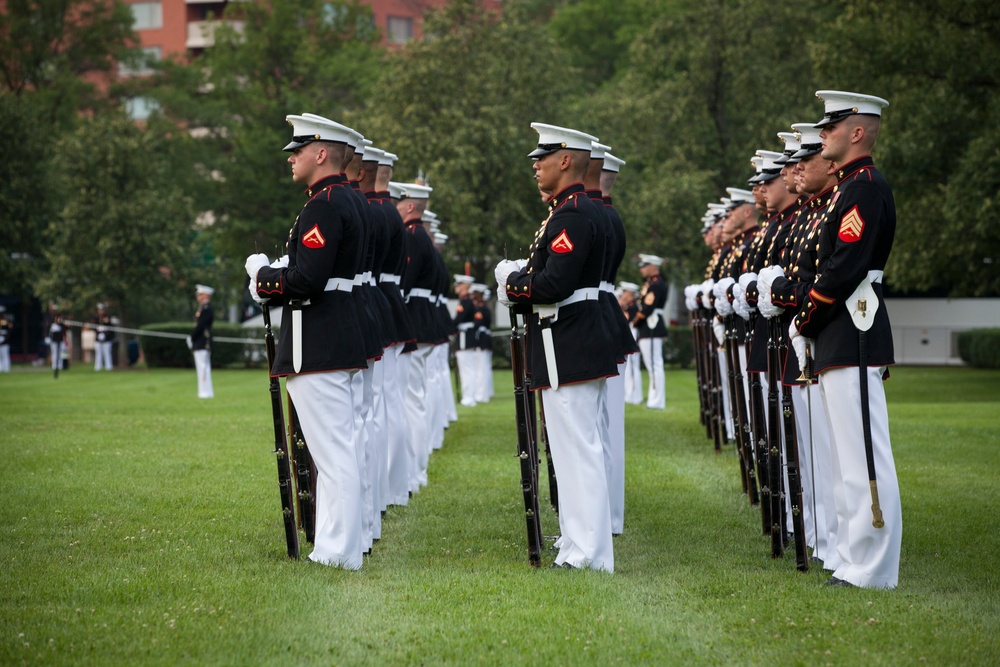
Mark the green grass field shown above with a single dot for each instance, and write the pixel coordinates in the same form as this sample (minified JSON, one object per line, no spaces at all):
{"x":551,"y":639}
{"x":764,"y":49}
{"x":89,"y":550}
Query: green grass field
{"x":141,"y":526}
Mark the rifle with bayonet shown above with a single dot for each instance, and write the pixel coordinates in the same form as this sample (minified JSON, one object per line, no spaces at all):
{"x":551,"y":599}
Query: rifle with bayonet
{"x":527,"y":452}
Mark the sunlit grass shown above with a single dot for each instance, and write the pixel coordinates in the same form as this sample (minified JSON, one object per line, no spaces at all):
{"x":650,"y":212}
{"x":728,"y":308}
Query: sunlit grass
{"x":141,"y":526}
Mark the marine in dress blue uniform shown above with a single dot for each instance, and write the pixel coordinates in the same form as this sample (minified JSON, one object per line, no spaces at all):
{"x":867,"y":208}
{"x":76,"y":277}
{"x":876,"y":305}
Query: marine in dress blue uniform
{"x":320,"y":345}
{"x":854,"y":245}
{"x":651,"y":323}
{"x":201,"y":340}
{"x":570,"y":350}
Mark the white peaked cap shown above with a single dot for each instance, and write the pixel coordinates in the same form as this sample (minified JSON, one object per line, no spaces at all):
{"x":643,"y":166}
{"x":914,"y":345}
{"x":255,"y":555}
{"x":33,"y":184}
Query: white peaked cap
{"x":740,"y":196}
{"x":362,"y":147}
{"x":440,"y":239}
{"x":429,"y":216}
{"x":388,"y":159}
{"x":792,"y":145}
{"x":373,"y":154}
{"x":810,"y":142}
{"x":478,"y":287}
{"x":838,"y":104}
{"x":459,"y":278}
{"x":769,"y":166}
{"x":552,"y":138}
{"x":628,"y":287}
{"x":612,"y":163}
{"x":598,"y":150}
{"x":308,"y":128}
{"x":416,"y":191}
{"x":353,"y":136}
{"x":203,"y":289}
{"x":396,"y":190}
{"x":649,"y":259}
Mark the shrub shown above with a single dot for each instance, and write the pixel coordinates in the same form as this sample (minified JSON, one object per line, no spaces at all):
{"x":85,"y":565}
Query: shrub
{"x":173,"y":352}
{"x":980,"y":347}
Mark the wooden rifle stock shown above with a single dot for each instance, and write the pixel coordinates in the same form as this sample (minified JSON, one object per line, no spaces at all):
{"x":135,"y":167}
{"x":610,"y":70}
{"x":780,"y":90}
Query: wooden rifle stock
{"x":792,"y":461}
{"x":526,"y":454}
{"x":280,"y":444}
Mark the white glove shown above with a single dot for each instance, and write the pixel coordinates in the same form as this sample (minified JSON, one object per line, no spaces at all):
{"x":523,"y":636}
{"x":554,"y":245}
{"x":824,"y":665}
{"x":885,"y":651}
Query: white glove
{"x":799,"y":343}
{"x":706,"y":292}
{"x":689,"y":297}
{"x":187,"y":341}
{"x":48,"y":341}
{"x":720,"y":290}
{"x":719,"y":329}
{"x":522,"y":264}
{"x":746,"y":279}
{"x":740,"y":305}
{"x":502,"y":272}
{"x":254,"y":264}
{"x":280,"y":263}
{"x":764,"y":280}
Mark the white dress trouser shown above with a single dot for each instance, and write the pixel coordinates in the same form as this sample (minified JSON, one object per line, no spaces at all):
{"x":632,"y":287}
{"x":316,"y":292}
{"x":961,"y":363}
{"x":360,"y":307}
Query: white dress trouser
{"x":450,"y":414}
{"x":418,"y":413}
{"x":869,"y":555}
{"x":398,"y":436}
{"x":578,"y":457}
{"x":651,"y":350}
{"x":819,"y":511}
{"x":5,"y":358}
{"x":614,"y":456}
{"x":468,"y":375}
{"x":326,"y":413}
{"x":203,"y":368}
{"x":633,"y":379}
{"x":102,"y":356}
{"x":361,"y":395}
{"x":727,"y":412}
{"x":484,"y":377}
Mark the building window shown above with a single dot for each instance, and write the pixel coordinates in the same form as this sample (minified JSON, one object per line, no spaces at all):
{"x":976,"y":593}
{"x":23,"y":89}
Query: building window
{"x":140,"y":108}
{"x":143,"y":63}
{"x":147,"y":15}
{"x":399,"y":29}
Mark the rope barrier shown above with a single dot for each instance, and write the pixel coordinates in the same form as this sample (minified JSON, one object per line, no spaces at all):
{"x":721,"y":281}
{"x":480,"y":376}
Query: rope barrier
{"x":163,"y":334}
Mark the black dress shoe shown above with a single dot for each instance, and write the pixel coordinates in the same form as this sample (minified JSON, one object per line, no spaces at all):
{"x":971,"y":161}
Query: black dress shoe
{"x":564,"y":566}
{"x":839,"y":583}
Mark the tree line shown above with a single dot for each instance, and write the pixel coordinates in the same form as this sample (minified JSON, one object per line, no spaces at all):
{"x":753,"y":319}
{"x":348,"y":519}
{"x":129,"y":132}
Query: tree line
{"x":96,"y":207}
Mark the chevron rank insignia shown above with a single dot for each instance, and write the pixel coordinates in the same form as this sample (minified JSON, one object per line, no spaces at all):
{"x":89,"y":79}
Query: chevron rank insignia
{"x":561,"y":244}
{"x":851,"y":226}
{"x":313,"y":238}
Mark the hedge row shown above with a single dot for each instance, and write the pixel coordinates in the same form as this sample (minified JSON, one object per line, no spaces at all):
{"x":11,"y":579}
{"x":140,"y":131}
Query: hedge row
{"x":173,"y":352}
{"x":980,"y":347}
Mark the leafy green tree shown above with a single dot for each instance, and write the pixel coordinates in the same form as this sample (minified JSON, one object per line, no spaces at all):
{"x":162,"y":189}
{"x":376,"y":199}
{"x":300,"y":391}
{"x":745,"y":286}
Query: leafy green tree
{"x":936,"y":63}
{"x":458,"y":108}
{"x":705,"y":86}
{"x":23,"y":208}
{"x":59,"y":50}
{"x":291,"y":56}
{"x":123,"y":233}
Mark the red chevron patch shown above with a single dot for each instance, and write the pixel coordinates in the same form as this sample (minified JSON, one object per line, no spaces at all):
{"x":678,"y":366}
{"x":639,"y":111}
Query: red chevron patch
{"x":851,"y":226}
{"x":561,"y":244}
{"x":313,"y":238}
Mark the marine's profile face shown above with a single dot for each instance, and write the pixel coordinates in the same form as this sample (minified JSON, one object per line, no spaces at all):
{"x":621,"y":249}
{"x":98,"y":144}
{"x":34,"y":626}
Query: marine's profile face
{"x":836,"y":140}
{"x":303,"y":161}
{"x":815,"y":173}
{"x":547,"y":171}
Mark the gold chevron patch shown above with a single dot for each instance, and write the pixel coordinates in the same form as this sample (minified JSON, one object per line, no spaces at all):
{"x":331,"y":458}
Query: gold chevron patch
{"x":851,"y":226}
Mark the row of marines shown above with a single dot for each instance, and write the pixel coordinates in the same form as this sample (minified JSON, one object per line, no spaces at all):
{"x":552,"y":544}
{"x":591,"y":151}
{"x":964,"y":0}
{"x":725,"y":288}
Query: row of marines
{"x":815,"y":266}
{"x":365,"y":329}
